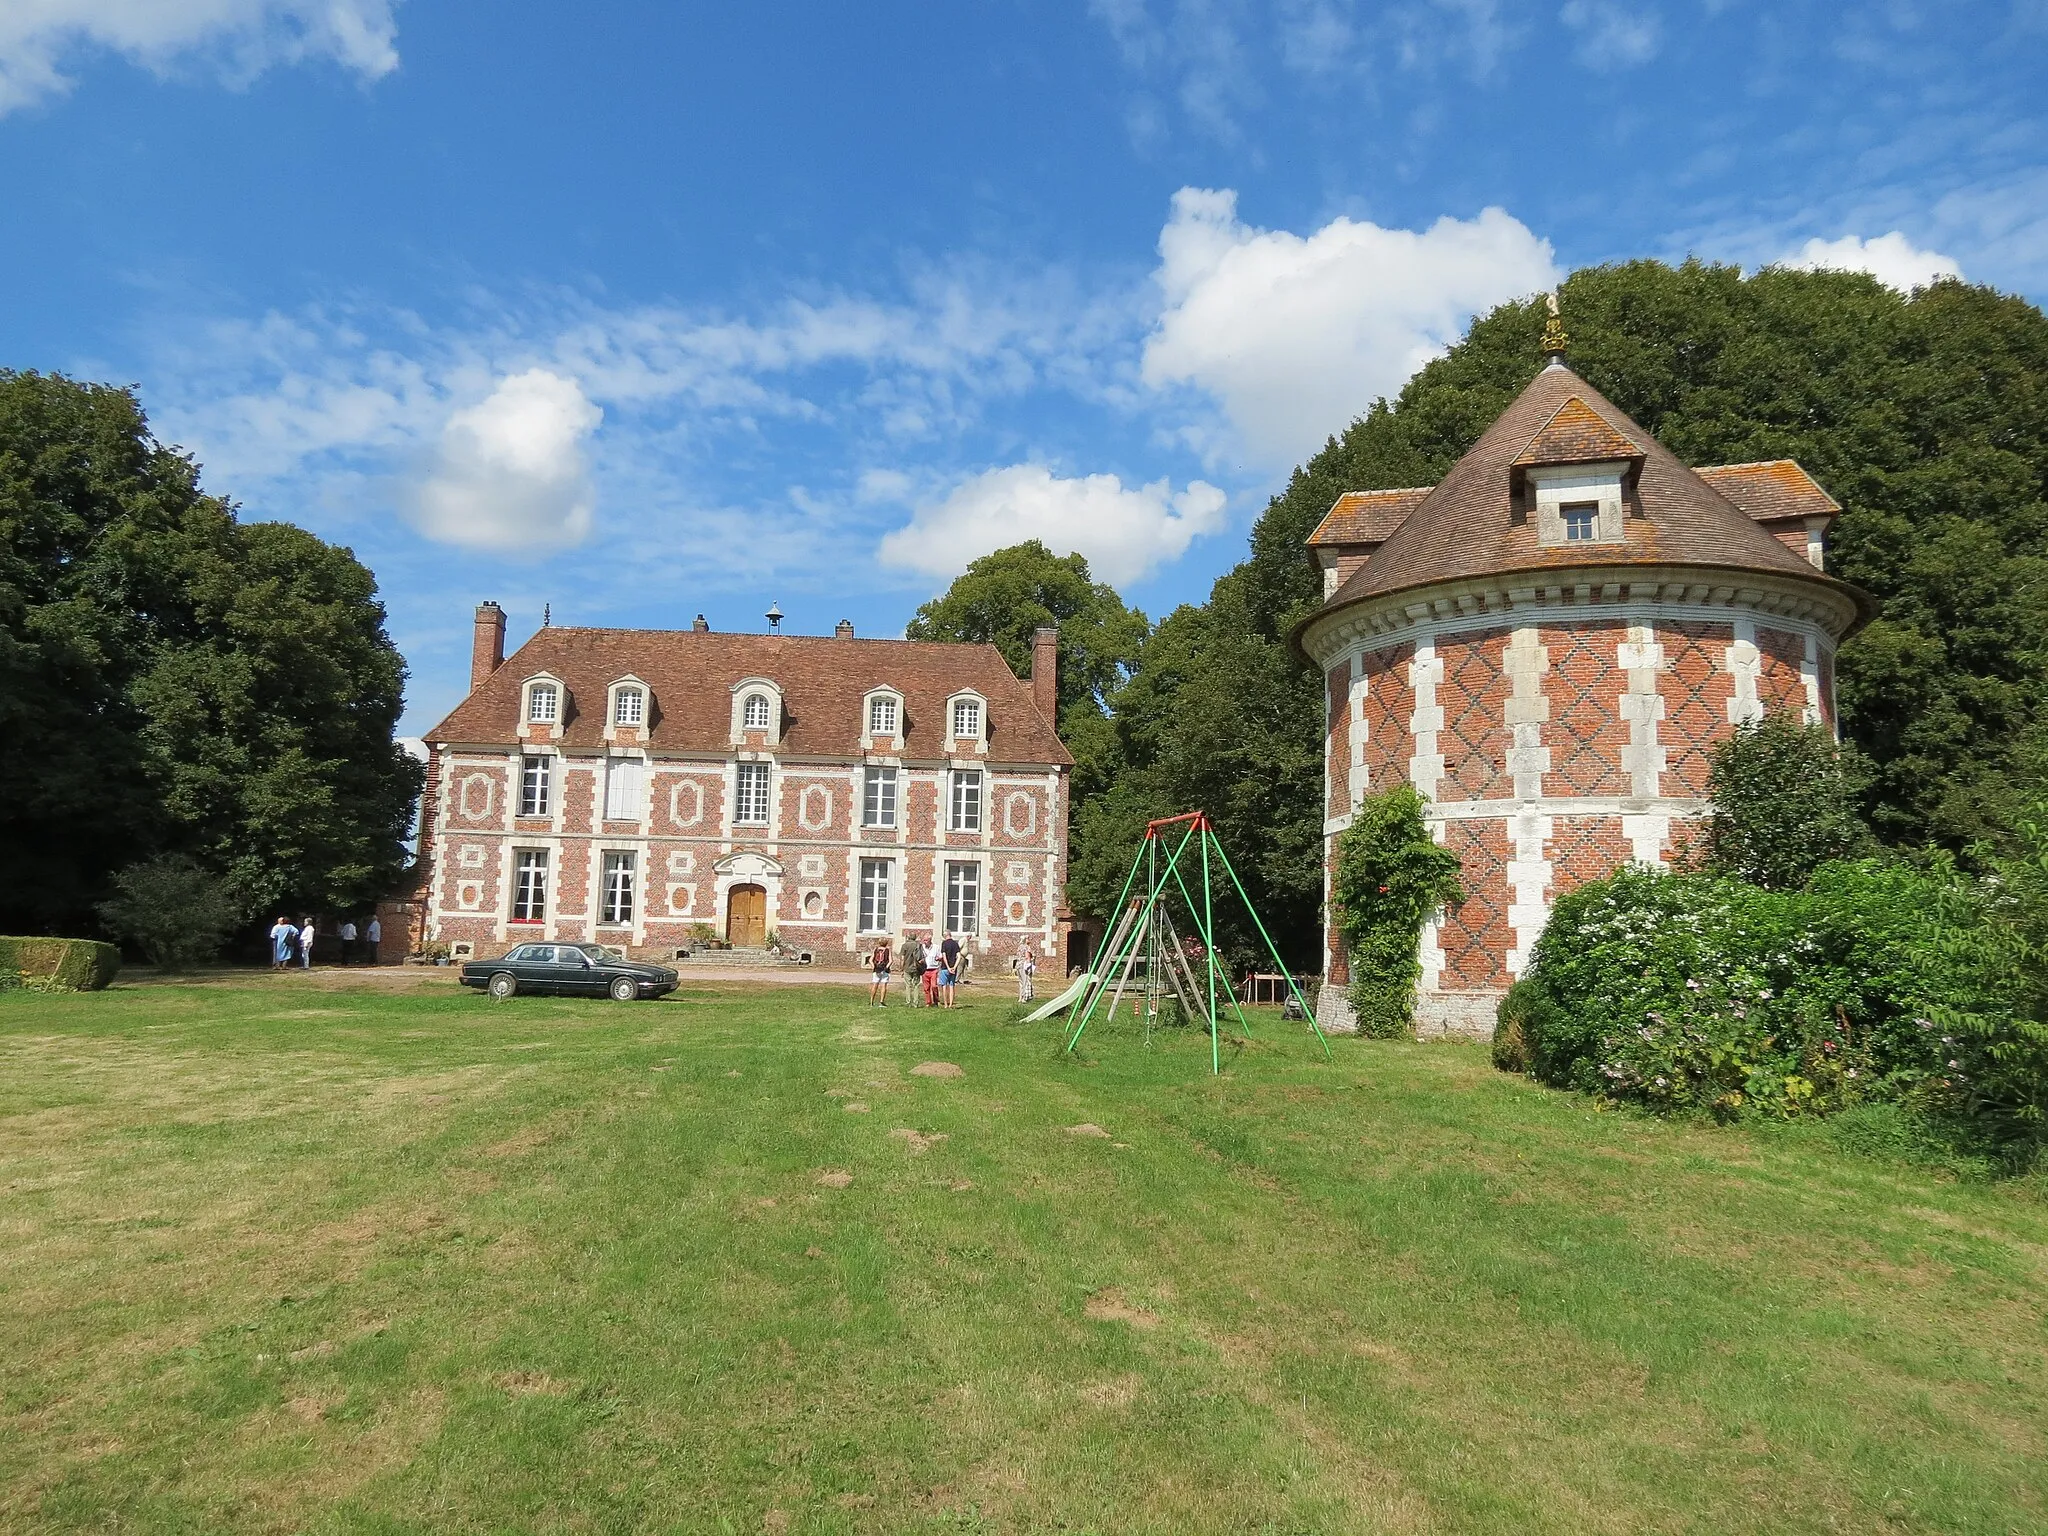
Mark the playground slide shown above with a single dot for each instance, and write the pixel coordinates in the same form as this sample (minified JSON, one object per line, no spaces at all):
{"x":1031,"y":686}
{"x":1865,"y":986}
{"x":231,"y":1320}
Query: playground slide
{"x":1081,"y":984}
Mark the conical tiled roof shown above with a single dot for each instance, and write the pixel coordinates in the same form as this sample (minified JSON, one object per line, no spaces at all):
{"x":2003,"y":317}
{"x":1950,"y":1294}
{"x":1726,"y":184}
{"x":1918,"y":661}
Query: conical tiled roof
{"x":1467,"y":527}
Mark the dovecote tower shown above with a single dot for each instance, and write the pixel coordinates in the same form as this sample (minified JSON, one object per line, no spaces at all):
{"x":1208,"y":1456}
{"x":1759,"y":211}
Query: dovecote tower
{"x":1549,"y":644}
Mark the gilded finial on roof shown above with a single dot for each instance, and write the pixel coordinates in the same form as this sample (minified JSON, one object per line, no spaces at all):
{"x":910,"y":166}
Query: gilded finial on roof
{"x":1554,"y":339}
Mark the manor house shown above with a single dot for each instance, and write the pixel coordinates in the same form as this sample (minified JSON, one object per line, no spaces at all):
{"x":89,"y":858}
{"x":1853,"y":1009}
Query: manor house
{"x":1549,"y":644}
{"x":651,"y":788}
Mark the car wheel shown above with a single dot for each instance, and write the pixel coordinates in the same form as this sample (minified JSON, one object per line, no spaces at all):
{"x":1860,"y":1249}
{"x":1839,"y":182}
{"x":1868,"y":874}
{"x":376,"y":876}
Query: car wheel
{"x":502,"y":986}
{"x":625,"y":989}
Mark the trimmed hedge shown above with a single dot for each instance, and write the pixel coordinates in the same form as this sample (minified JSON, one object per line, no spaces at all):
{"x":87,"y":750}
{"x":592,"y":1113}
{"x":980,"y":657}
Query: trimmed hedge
{"x":57,"y":965}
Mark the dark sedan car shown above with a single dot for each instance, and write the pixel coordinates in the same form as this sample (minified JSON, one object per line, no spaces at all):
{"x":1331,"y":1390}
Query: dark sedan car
{"x":587,"y":970}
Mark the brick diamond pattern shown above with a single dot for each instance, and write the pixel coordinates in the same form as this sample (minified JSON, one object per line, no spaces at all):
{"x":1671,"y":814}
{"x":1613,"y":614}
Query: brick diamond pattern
{"x":1585,"y":733}
{"x":1475,"y":934}
{"x":1696,"y":688}
{"x":1389,"y":705}
{"x":1779,"y":683}
{"x":1583,"y":848}
{"x":1475,"y":739}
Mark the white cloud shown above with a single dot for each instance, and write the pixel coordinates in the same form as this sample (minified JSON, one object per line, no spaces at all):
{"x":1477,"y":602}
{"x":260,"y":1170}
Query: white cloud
{"x":510,"y":471}
{"x":1892,"y":259}
{"x":1611,"y":35}
{"x":1296,"y":336}
{"x":238,"y":39}
{"x":1125,"y":533}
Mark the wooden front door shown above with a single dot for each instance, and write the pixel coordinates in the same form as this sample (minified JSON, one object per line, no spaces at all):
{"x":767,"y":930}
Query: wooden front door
{"x":746,"y":917}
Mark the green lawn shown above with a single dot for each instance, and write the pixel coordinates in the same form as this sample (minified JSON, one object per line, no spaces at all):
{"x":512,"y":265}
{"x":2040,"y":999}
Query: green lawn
{"x":282,"y":1257}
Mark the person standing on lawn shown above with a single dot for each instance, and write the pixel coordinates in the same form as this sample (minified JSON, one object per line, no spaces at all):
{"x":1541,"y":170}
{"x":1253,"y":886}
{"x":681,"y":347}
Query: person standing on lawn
{"x":306,"y":945}
{"x":282,"y":935}
{"x":878,"y":992}
{"x":373,"y":936}
{"x":950,"y":948}
{"x":913,"y":967}
{"x":348,"y":939}
{"x":1027,"y":968}
{"x":947,"y":977}
{"x":933,"y":959}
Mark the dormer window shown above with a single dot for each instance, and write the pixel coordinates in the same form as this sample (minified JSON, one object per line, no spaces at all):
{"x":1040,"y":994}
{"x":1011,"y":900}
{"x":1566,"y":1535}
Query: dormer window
{"x":754,"y":714}
{"x":629,"y":707}
{"x":881,"y":716}
{"x":543,"y":704}
{"x":1578,"y":504}
{"x":1581,"y":521}
{"x":966,"y":719}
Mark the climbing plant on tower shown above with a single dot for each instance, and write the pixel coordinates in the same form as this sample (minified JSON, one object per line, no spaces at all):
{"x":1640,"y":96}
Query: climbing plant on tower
{"x":1391,"y":877}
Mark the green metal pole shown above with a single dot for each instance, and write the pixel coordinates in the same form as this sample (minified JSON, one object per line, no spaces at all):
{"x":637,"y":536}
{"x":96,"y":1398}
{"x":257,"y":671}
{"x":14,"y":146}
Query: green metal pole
{"x":1130,"y":939}
{"x":1274,"y":950}
{"x":1209,"y":938}
{"x":1209,"y":943}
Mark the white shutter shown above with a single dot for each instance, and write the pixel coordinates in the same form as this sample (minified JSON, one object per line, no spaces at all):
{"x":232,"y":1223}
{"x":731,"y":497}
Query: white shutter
{"x":623,"y":785}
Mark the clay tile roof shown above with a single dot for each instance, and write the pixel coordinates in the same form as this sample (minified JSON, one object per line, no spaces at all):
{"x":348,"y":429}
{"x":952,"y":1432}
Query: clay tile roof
{"x":1466,"y":526}
{"x":1577,"y":434}
{"x":823,"y":681}
{"x":1772,"y":489}
{"x":1365,"y":517}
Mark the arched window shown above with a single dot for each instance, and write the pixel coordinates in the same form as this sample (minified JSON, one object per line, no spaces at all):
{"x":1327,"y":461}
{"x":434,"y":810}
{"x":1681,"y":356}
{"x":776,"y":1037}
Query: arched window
{"x":543,"y":704}
{"x":882,"y":716}
{"x":755,"y":713}
{"x":629,"y":707}
{"x":966,"y":719}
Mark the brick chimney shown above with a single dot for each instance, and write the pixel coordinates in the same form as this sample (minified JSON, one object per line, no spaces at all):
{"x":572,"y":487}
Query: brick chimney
{"x":843,"y":630}
{"x":1045,"y":673}
{"x":487,"y":650}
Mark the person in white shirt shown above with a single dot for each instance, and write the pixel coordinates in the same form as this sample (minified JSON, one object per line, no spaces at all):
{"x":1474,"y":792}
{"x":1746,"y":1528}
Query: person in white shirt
{"x":306,"y":945}
{"x":374,"y":934}
{"x":348,"y":940}
{"x":1027,"y":968}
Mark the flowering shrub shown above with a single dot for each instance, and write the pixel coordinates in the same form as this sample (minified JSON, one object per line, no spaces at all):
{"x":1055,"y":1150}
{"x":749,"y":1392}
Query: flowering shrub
{"x":1694,"y":991}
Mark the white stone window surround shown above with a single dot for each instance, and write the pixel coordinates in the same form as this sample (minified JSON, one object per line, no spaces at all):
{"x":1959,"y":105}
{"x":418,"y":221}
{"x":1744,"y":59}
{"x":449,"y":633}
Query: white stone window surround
{"x":887,"y":701}
{"x":1555,"y":488}
{"x":534,"y":697}
{"x":967,"y":707}
{"x":628,"y":706}
{"x":745,"y":693}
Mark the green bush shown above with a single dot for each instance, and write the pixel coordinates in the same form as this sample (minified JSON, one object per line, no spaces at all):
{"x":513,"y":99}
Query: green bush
{"x":57,"y":965}
{"x":1784,"y":798}
{"x":1877,"y":982}
{"x":1390,"y":876}
{"x":172,"y":910}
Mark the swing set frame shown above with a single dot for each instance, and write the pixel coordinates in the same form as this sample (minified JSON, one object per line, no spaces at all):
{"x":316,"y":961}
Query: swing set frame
{"x":1144,"y":921}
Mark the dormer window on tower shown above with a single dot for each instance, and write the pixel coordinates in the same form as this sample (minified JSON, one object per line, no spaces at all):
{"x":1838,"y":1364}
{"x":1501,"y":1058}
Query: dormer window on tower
{"x":1580,"y":521}
{"x":755,"y":713}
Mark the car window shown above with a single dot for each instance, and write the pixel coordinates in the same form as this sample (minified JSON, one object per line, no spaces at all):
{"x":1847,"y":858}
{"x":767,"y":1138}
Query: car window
{"x":543,"y":953}
{"x":569,"y":954}
{"x":595,"y":953}
{"x":521,"y":952}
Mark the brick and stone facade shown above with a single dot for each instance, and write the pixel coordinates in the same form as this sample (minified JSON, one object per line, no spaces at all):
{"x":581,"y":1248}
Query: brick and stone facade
{"x":1556,"y":692}
{"x":647,"y":788}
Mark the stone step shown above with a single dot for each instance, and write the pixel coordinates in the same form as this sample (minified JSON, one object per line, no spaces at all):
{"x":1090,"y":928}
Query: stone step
{"x":759,"y":959}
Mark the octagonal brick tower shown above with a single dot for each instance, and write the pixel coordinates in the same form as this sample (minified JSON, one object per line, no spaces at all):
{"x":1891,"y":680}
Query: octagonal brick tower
{"x":1548,"y":645}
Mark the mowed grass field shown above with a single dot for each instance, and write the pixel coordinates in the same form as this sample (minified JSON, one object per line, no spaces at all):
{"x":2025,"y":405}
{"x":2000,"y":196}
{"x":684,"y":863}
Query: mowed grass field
{"x":285,"y":1255}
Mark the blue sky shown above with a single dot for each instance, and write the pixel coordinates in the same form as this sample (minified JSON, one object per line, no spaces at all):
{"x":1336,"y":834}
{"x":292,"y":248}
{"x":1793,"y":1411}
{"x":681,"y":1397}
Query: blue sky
{"x":649,"y":309}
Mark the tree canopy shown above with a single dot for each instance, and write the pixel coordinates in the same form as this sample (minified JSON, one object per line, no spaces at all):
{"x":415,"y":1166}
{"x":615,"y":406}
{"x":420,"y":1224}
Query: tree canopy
{"x":175,"y":681}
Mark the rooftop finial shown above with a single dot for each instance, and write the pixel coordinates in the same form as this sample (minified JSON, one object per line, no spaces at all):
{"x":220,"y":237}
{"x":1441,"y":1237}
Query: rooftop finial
{"x":1554,"y":339}
{"x":774,"y":617}
{"x":547,"y":614}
